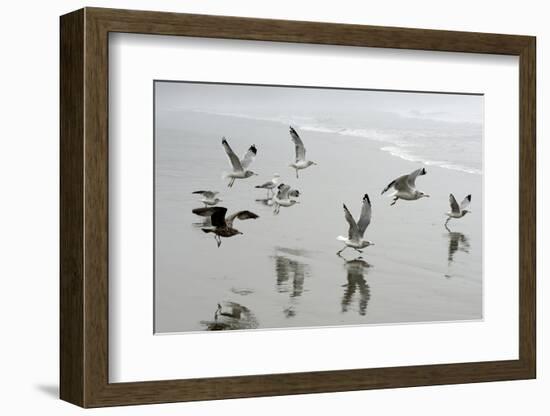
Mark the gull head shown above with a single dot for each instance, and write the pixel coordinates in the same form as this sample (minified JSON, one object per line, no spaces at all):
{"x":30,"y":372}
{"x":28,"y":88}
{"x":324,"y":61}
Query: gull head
{"x":421,"y":195}
{"x":249,"y":173}
{"x":309,"y":163}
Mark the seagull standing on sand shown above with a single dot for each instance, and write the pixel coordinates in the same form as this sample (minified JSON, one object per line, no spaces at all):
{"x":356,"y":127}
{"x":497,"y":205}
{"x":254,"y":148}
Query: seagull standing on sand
{"x":208,"y":197}
{"x":405,"y":187}
{"x":239,"y":166}
{"x":456,"y":210}
{"x":283,"y":197}
{"x":300,"y":162}
{"x":270,"y":185}
{"x":222,"y":226}
{"x":357,"y":229}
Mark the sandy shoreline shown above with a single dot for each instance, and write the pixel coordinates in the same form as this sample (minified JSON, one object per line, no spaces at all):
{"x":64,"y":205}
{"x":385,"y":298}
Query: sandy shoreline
{"x":286,"y":265}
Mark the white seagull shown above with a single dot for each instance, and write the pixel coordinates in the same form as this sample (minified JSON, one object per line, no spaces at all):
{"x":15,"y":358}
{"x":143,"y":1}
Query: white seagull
{"x":283,"y":197}
{"x":405,"y":187}
{"x":208,"y":197}
{"x":357,"y":229}
{"x":270,"y":185}
{"x":300,"y":162}
{"x":458,"y":211}
{"x":239,"y":166}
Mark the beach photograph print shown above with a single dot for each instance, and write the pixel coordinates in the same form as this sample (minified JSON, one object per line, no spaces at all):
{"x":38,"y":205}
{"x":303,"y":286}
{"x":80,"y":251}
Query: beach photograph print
{"x":281,"y":207}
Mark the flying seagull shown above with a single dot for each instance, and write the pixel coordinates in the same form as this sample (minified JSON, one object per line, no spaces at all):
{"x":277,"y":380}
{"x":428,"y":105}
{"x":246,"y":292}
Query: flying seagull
{"x":357,"y":229}
{"x":208,"y":197}
{"x":283,"y":197}
{"x":270,"y":185}
{"x":300,"y":162}
{"x":222,"y":226}
{"x":456,"y":210}
{"x":405,"y":187}
{"x":239,"y":166}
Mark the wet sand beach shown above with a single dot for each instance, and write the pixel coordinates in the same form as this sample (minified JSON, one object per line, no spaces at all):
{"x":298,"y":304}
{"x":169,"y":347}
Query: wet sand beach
{"x":284,"y":270}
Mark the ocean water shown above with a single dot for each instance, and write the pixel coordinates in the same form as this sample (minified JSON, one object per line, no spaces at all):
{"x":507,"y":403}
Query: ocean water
{"x":446,"y":144}
{"x":283,"y":271}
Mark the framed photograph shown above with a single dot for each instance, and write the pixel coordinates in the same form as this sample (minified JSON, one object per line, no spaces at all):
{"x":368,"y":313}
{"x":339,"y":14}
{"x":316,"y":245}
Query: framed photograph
{"x":255,"y":207}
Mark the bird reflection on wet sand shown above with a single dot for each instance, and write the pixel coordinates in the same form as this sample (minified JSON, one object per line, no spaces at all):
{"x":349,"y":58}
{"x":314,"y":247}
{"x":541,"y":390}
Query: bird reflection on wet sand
{"x":457,"y":241}
{"x":231,"y":316}
{"x":356,"y":270}
{"x":291,"y":275}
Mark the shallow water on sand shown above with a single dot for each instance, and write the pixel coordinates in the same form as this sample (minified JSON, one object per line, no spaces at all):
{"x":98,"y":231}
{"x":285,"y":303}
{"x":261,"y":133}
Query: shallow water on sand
{"x":283,"y":271}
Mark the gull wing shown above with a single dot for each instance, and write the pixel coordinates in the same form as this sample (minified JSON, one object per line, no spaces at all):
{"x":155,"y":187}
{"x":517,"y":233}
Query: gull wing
{"x":411,"y":178}
{"x":216,"y":214}
{"x":235,"y":162}
{"x":207,"y":194}
{"x":241,"y":215}
{"x":399,"y":184}
{"x":353,"y":232}
{"x":249,"y":156}
{"x":366,"y":214}
{"x":299,"y":145}
{"x":465,"y":202}
{"x":454,"y":204}
{"x":283,"y":191}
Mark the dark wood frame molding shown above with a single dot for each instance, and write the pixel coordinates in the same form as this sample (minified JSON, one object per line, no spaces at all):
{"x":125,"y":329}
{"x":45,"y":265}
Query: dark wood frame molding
{"x":84,"y":207}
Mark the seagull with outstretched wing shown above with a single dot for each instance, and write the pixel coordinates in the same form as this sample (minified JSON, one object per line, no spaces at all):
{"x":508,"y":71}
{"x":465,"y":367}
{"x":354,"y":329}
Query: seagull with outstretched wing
{"x":357,"y":229}
{"x":300,"y":161}
{"x":458,"y":211}
{"x":404,"y":187}
{"x":283,"y":197}
{"x":239,"y":166}
{"x":222,"y":226}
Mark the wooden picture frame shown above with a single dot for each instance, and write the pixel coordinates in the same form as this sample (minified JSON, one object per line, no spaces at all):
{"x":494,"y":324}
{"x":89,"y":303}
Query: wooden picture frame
{"x":84,"y":207}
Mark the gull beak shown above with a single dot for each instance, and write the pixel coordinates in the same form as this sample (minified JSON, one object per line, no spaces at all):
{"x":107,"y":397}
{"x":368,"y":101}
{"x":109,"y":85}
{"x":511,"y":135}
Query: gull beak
{"x":426,"y":195}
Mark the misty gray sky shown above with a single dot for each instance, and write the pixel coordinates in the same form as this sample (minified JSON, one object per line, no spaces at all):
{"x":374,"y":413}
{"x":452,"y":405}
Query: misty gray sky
{"x":276,"y":101}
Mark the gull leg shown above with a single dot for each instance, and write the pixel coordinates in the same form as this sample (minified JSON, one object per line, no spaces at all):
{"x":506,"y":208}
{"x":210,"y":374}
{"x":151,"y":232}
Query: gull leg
{"x":360,"y":251}
{"x":296,"y":173}
{"x":446,"y":222}
{"x":340,"y":252}
{"x":231,"y":182}
{"x":394,"y":201}
{"x":218,"y":241}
